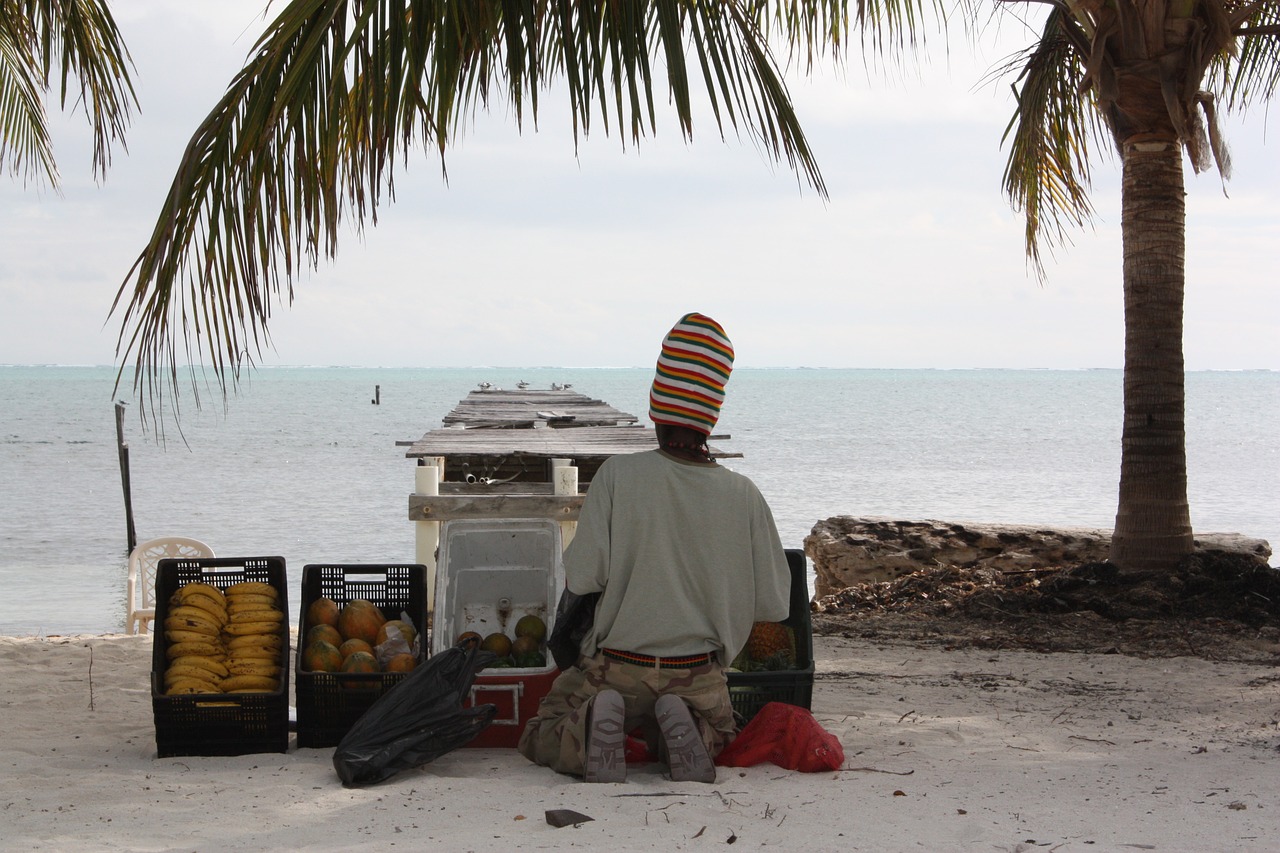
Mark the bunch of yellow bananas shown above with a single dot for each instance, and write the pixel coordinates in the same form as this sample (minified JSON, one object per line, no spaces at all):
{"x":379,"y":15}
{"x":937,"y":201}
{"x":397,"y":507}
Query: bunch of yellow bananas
{"x":252,"y":638}
{"x":193,"y":627}
{"x":223,"y":641}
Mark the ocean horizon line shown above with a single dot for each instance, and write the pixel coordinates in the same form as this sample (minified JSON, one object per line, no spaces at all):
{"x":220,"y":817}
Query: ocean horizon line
{"x":801,"y":367}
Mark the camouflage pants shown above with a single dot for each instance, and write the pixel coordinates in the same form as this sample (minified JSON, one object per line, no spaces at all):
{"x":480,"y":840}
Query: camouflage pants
{"x":557,"y":736}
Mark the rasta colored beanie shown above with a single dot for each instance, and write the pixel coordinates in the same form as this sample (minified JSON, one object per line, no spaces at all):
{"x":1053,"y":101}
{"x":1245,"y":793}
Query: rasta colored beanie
{"x":693,"y":368}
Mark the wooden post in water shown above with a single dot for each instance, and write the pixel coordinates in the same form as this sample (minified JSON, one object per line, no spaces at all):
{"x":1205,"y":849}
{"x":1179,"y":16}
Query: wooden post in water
{"x":377,"y":395}
{"x":123,"y":448}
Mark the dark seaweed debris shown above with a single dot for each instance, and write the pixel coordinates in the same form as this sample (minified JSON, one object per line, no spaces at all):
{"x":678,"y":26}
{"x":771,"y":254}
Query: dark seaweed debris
{"x":1215,"y":604}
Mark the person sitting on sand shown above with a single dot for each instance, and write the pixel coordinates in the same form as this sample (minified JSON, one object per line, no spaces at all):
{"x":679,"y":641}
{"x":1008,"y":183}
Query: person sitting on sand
{"x":685,"y":556}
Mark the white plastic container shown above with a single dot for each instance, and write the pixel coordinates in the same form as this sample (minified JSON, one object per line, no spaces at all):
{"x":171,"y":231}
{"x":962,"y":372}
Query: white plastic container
{"x":489,"y":574}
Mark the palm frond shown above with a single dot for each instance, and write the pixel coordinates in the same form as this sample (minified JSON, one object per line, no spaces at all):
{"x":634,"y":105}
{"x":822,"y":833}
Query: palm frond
{"x":893,"y":27}
{"x":25,"y":147}
{"x":888,"y":29}
{"x":1047,"y":172}
{"x":1253,"y":75}
{"x":306,"y":136}
{"x":810,"y":28}
{"x":78,"y":40}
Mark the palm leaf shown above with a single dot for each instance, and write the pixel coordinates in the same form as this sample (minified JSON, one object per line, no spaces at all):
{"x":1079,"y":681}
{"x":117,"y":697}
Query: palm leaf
{"x":1255,"y":74}
{"x":307,"y":134}
{"x":25,"y":146}
{"x":888,"y":29}
{"x":1047,"y":172}
{"x":70,"y":41}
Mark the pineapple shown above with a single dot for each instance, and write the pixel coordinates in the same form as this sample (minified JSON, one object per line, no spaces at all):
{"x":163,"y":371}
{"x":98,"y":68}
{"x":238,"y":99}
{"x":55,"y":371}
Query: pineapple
{"x":772,"y":643}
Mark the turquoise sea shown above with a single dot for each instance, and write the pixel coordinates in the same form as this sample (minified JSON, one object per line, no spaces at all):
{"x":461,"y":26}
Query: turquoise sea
{"x":299,"y":464}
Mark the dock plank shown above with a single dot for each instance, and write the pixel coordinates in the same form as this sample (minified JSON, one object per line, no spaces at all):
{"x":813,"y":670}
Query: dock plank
{"x":452,"y":507}
{"x":601,"y":441}
{"x":528,"y":406}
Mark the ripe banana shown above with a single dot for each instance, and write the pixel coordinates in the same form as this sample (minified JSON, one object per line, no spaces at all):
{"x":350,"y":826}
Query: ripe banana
{"x":214,"y":666}
{"x":178,"y":672}
{"x":210,"y":649}
{"x":240,"y":629}
{"x":254,"y":653}
{"x":253,"y":641}
{"x":192,"y":626}
{"x":253,"y":667}
{"x":180,"y":635}
{"x":187,"y":684}
{"x":203,"y":589}
{"x":188,"y":611}
{"x":216,"y":609}
{"x":245,"y":599}
{"x":250,"y":682}
{"x":256,"y":616}
{"x":253,"y":588}
{"x":190,"y":688}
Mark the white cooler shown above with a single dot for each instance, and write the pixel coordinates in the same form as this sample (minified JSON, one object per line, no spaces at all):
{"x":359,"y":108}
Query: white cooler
{"x":489,"y":574}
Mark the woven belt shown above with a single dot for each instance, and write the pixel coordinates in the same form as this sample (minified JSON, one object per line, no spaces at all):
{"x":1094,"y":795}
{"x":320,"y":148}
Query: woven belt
{"x":681,"y":662}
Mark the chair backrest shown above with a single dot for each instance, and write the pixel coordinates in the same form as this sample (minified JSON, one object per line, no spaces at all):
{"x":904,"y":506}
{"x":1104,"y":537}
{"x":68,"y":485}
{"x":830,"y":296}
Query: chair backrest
{"x":142,"y":574}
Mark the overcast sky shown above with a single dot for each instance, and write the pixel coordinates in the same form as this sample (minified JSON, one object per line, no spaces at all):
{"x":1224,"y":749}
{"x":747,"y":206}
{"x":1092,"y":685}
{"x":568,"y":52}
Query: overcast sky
{"x":533,"y":256}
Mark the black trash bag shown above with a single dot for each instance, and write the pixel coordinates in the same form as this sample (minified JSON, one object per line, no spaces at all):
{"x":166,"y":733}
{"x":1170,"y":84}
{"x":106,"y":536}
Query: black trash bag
{"x":417,"y":721}
{"x":575,"y":614}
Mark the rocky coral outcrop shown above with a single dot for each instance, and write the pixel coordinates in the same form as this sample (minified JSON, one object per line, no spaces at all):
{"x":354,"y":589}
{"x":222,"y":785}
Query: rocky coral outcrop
{"x":848,"y":550}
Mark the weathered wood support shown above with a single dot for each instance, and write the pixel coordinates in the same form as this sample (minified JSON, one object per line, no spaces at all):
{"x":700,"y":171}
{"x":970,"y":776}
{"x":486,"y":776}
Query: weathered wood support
{"x":449,"y":507}
{"x":426,"y":483}
{"x":565,"y":480}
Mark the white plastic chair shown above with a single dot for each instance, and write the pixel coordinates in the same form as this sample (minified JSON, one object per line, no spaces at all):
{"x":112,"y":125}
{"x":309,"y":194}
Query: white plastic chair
{"x":142,"y":575}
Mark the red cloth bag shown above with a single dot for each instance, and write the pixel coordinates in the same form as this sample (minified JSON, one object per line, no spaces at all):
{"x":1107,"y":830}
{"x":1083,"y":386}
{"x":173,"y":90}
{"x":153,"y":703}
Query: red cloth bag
{"x":786,"y":735}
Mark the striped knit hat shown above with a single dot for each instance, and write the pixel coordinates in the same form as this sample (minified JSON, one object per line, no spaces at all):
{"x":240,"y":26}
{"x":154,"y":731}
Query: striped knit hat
{"x":693,"y":368}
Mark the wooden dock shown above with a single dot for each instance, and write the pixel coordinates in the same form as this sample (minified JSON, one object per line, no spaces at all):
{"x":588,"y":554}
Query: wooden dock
{"x":528,"y":409}
{"x":513,"y":436}
{"x":520,"y":454}
{"x":499,"y":449}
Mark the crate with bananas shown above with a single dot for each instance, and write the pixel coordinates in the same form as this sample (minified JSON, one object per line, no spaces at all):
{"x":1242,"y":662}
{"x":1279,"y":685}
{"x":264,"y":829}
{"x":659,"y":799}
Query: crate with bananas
{"x":219,"y":674}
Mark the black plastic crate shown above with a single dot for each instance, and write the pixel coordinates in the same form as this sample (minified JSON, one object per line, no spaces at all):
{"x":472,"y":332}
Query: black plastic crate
{"x":328,"y":704}
{"x":750,"y":691}
{"x":219,"y":724}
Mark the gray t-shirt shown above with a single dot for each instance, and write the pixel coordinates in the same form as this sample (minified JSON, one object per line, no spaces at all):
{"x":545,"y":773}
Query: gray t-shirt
{"x":687,"y":556}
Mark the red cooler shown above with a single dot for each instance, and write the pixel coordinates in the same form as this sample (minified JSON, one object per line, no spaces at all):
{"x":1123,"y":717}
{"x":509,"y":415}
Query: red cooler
{"x":490,"y":574}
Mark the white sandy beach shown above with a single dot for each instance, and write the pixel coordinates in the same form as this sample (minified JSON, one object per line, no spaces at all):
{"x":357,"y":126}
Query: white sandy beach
{"x":945,"y":750}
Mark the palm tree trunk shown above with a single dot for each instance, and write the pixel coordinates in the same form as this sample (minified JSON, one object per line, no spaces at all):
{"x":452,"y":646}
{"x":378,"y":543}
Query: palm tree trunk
{"x":1153,"y":520}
